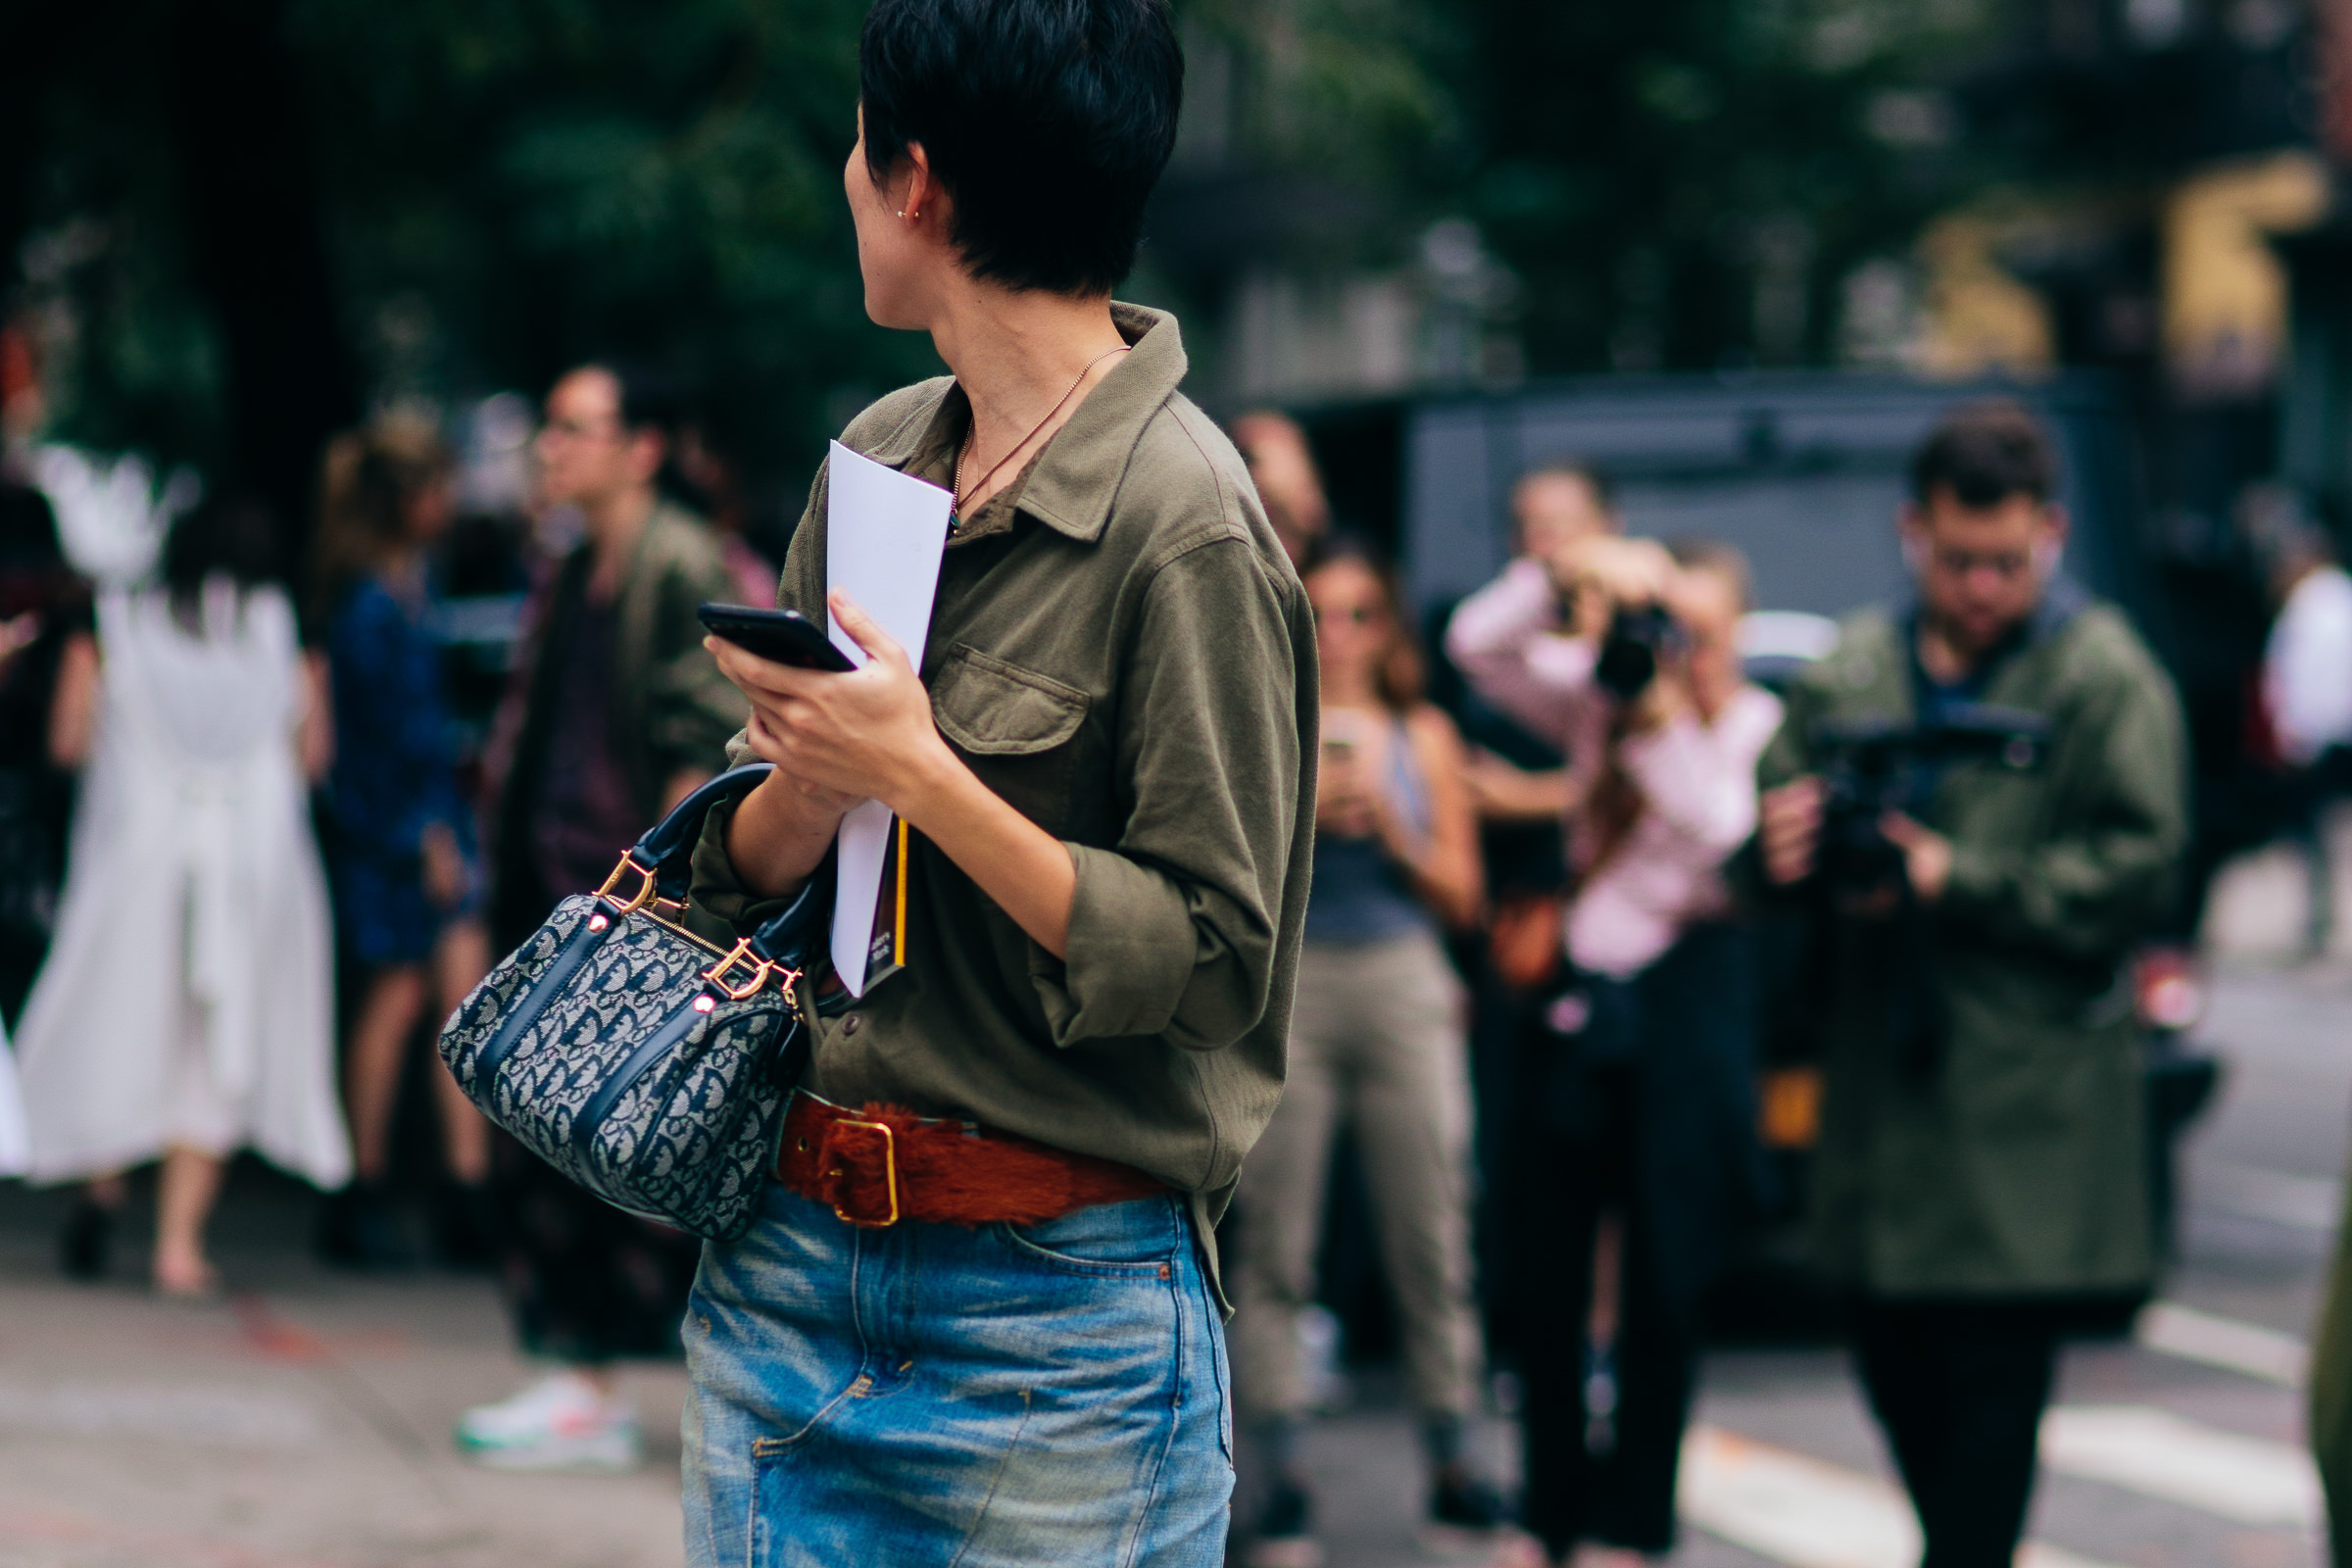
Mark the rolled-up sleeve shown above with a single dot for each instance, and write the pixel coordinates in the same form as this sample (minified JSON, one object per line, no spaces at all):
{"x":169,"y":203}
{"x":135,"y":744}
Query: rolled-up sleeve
{"x":1173,"y":931}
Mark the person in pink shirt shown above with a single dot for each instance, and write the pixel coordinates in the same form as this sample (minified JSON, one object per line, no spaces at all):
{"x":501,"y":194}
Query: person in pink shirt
{"x":1633,"y":1148}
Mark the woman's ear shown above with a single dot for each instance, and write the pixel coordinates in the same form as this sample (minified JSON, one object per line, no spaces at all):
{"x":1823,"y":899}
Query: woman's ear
{"x":925,"y":197}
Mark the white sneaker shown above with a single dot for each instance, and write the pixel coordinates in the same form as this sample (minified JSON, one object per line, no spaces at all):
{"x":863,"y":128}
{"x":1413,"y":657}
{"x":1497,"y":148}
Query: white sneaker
{"x":562,"y":1422}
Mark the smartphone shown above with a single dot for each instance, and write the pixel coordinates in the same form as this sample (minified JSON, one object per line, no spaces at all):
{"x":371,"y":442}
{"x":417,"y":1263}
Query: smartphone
{"x":785,"y":636}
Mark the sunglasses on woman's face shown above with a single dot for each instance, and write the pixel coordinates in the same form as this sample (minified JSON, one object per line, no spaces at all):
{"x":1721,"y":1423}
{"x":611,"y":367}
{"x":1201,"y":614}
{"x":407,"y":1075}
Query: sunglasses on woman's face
{"x":1352,"y":615}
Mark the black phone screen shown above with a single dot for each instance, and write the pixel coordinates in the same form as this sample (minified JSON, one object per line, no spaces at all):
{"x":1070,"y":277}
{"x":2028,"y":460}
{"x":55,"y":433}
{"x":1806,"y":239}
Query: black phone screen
{"x":784,"y":636}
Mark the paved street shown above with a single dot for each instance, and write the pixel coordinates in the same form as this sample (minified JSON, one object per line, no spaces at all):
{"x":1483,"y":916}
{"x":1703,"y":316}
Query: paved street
{"x":304,"y":1424}
{"x":301,"y":1425}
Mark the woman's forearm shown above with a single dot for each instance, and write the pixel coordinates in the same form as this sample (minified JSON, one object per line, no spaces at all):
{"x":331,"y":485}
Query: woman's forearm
{"x":1024,"y":868}
{"x":778,"y":835}
{"x":1448,"y":880}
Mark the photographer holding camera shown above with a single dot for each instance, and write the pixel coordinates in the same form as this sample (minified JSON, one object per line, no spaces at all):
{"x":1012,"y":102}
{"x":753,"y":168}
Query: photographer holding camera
{"x":1981,"y":1176}
{"x":1632,"y":1160}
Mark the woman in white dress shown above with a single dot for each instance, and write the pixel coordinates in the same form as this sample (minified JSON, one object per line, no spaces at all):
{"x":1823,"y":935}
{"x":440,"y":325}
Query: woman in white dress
{"x":186,"y":1007}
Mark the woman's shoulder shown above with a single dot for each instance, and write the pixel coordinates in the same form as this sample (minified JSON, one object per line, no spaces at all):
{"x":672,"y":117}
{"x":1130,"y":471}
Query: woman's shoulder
{"x":1433,"y":728}
{"x":1755,"y":714}
{"x":269,"y":604}
{"x":1186,"y":486}
{"x":366,"y":608}
{"x":897,"y":417}
{"x":265,"y":624}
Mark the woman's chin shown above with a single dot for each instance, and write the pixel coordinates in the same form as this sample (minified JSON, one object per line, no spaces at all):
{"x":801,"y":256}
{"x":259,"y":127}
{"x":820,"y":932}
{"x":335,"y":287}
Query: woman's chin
{"x":892,"y":309}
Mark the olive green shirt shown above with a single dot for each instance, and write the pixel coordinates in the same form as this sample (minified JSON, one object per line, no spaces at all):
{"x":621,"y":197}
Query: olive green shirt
{"x":1119,"y":649}
{"x":2018,"y":1168}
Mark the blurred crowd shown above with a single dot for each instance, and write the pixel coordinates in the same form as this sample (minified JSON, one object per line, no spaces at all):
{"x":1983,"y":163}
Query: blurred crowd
{"x":1574,"y":860}
{"x":1603,"y":930}
{"x":275,"y":810}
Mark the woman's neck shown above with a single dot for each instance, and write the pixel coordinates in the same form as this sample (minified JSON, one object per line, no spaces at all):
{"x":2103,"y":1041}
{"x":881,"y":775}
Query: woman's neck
{"x":401,"y":564}
{"x":1015,"y":354}
{"x":1343,"y":690}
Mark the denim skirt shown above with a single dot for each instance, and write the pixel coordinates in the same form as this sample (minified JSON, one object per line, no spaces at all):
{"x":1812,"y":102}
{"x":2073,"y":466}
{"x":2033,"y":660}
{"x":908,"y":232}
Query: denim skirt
{"x":926,"y":1395}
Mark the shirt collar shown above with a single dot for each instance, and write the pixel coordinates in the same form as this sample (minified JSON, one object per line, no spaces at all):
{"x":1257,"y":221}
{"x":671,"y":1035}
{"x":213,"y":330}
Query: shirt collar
{"x":2061,"y":602}
{"x":1071,"y":482}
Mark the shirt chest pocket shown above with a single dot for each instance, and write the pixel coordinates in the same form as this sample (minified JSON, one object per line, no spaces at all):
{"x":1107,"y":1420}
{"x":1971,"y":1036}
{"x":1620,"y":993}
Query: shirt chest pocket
{"x":1017,"y":731}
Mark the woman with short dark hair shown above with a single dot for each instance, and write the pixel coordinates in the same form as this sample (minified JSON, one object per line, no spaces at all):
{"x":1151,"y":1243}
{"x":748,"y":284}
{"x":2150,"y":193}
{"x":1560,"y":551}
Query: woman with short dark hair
{"x":978,"y":1321}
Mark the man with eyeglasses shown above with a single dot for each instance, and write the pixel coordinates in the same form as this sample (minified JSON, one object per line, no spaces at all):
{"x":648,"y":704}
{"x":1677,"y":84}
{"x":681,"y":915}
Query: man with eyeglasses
{"x":1981,"y":1181}
{"x":618,"y":710}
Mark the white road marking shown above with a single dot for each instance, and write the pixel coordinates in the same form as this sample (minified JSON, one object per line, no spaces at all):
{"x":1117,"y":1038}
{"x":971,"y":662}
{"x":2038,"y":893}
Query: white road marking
{"x":2041,"y":1554}
{"x":2304,"y":1203}
{"x":2160,"y":1455}
{"x":211,"y":1415}
{"x":1807,"y":1513}
{"x":2194,"y":1336}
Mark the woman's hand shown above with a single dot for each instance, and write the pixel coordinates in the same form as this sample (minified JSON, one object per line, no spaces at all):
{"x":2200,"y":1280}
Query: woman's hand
{"x":1926,"y":855}
{"x":445,"y":875}
{"x":1347,"y":788}
{"x":1502,"y":793}
{"x":314,"y":735}
{"x":1789,"y":824}
{"x":1344,"y":807}
{"x":837,"y":739}
{"x":74,"y":702}
{"x":1601,"y":573}
{"x":841,"y":738}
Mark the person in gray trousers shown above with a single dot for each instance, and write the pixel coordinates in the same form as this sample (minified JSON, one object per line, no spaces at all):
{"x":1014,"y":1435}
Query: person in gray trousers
{"x":1378,"y":1038}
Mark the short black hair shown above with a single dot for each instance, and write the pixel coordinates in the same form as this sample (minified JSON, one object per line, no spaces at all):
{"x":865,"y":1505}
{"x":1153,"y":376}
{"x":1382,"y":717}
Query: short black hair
{"x":228,"y":535}
{"x":649,"y":400}
{"x":1048,"y":120}
{"x":1984,"y":453}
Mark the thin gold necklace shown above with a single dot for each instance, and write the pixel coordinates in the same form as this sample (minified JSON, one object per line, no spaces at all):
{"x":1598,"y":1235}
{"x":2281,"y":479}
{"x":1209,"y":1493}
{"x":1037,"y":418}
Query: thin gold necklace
{"x":972,"y":439}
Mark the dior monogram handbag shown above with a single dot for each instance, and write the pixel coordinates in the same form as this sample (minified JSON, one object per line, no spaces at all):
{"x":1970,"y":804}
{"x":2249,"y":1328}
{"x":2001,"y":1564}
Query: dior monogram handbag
{"x":640,"y":1061}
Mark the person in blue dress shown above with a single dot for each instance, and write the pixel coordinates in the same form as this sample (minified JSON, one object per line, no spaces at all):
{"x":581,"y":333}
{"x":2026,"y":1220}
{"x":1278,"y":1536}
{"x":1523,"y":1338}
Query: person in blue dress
{"x":400,"y":834}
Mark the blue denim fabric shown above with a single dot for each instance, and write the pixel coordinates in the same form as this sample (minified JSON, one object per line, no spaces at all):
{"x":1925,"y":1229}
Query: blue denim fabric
{"x":932,"y":1394}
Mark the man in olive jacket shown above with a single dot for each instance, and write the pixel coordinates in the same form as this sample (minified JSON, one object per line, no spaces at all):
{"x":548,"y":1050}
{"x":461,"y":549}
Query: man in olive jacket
{"x":618,"y":711}
{"x":1979,"y":1177}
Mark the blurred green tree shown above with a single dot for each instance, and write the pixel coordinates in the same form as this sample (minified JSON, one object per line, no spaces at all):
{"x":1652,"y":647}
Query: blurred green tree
{"x":241,"y":221}
{"x":524,"y":181}
{"x":492,"y":190}
{"x":1681,"y":184}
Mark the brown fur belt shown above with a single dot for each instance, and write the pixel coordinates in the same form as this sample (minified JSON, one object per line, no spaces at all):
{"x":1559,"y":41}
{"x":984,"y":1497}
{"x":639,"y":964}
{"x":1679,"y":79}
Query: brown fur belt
{"x":883,"y":1163}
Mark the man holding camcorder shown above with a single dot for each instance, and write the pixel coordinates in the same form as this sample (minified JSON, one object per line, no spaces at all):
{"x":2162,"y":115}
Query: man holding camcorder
{"x":2013,"y":754}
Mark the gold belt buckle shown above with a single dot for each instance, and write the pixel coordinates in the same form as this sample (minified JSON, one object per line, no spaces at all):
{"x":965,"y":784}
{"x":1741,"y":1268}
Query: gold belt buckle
{"x":890,"y":1175}
{"x":636,"y":901}
{"x":740,"y":953}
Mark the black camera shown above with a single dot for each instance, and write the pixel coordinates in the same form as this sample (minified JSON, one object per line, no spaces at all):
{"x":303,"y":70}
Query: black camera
{"x":1639,"y":637}
{"x":1871,"y":766}
{"x":1865,"y":915}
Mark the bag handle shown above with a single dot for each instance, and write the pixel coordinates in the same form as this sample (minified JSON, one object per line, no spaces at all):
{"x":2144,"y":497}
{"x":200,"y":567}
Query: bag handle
{"x":663,"y":859}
